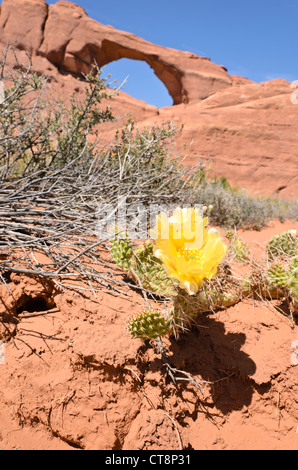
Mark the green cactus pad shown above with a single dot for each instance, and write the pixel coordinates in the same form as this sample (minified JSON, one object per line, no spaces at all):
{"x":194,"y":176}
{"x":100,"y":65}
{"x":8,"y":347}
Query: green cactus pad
{"x":260,"y":285}
{"x":206,"y":300}
{"x":149,"y":325}
{"x":221,"y":292}
{"x":283,"y":244}
{"x":121,"y":251}
{"x":278,"y":276}
{"x":294,"y":279}
{"x":150,"y":272}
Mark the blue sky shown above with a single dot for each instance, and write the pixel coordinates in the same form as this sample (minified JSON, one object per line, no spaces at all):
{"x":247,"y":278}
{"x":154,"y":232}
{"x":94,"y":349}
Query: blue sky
{"x":254,"y":39}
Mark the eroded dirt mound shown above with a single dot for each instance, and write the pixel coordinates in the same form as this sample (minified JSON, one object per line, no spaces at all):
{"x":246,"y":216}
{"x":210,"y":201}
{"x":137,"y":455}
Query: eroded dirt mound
{"x":72,"y":378}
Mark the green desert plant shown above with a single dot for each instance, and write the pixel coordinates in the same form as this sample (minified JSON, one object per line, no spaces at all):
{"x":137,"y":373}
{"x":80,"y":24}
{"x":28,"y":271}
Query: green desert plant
{"x":235,"y":208}
{"x":279,"y":281}
{"x":278,"y":275}
{"x":149,"y":271}
{"x":238,"y":248}
{"x":121,"y":250}
{"x":142,"y":266}
{"x":148,"y":325}
{"x":283,"y":244}
{"x":293,"y":284}
{"x":52,"y":179}
{"x":38,"y":133}
{"x":260,"y":284}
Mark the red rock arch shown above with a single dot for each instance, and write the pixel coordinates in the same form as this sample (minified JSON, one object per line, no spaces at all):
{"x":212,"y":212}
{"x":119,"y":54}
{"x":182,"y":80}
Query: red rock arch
{"x":68,"y":38}
{"x":111,"y":51}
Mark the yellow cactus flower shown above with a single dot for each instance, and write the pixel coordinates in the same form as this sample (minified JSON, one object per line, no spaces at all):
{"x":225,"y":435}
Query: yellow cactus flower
{"x":189,"y":252}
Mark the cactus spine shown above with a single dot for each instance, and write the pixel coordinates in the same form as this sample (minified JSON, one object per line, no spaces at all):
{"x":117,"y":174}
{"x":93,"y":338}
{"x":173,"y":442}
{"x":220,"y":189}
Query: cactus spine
{"x":150,"y":272}
{"x":294,"y":282}
{"x":221,"y":292}
{"x":278,"y":276}
{"x":121,"y":251}
{"x":149,"y":325}
{"x":283,"y":244}
{"x":238,"y":248}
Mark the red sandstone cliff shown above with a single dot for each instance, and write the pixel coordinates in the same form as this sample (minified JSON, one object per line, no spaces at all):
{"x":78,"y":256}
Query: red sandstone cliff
{"x":248,"y":130}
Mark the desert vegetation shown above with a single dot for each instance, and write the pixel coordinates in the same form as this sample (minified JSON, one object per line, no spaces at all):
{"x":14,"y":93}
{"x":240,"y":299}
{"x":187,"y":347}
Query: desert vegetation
{"x":56,"y":175}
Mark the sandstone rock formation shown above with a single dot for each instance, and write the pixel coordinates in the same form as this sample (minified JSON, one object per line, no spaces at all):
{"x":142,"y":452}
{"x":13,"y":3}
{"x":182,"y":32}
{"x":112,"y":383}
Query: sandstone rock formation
{"x":67,"y":37}
{"x":247,"y":131}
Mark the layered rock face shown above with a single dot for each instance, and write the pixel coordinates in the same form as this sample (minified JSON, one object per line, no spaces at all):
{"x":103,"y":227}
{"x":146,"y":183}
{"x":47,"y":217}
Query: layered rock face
{"x":68,"y":38}
{"x":248,"y":132}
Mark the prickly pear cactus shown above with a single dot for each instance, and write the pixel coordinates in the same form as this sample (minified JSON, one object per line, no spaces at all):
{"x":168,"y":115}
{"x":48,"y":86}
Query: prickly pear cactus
{"x":142,"y":266}
{"x":278,"y":276}
{"x":293,"y":284}
{"x":238,"y":248}
{"x":150,"y":272}
{"x":283,"y":244}
{"x":260,"y":284}
{"x":121,"y":251}
{"x":206,"y":300}
{"x":221,"y":292}
{"x":149,"y":324}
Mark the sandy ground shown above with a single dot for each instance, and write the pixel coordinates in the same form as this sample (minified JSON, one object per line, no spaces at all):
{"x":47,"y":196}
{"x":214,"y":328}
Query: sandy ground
{"x":72,"y":378}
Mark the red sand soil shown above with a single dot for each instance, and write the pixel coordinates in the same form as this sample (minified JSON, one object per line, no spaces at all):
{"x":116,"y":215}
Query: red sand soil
{"x":74,"y":379}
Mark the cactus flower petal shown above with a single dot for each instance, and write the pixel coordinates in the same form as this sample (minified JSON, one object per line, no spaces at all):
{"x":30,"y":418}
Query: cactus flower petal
{"x":189,"y":252}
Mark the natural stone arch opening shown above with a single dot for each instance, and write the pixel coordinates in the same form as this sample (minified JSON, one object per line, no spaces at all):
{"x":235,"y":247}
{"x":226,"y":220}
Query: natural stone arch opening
{"x":168,"y":74}
{"x":65,"y":35}
{"x":142,"y":83}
